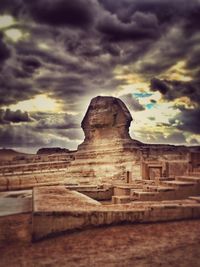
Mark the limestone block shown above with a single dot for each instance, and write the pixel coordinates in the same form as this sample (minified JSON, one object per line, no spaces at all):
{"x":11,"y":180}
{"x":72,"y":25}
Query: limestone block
{"x":66,"y":210}
{"x":122,"y":190}
{"x":3,"y":183}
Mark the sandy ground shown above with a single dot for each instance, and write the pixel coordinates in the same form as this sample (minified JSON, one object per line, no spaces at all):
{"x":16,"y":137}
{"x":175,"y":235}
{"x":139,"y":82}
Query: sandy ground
{"x":162,"y":244}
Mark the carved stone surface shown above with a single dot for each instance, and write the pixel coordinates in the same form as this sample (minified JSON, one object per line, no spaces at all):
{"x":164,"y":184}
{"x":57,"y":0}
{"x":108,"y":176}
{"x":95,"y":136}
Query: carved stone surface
{"x":107,"y":120}
{"x":107,"y":150}
{"x":106,"y":117}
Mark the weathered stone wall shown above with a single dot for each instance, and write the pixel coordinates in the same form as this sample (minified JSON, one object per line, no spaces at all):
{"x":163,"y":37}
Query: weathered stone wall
{"x":172,"y":160}
{"x":75,"y":211}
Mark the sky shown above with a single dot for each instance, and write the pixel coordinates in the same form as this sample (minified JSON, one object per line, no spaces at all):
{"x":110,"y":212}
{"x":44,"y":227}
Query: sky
{"x":55,"y":55}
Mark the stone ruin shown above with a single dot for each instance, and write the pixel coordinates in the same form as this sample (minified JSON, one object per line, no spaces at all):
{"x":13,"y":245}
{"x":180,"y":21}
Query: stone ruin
{"x":106,"y":121}
{"x":108,"y":150}
{"x":109,"y":179}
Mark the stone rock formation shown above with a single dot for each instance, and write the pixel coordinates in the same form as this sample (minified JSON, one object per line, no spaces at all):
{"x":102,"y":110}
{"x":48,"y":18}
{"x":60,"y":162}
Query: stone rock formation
{"x":150,"y":182}
{"x":52,"y":150}
{"x":106,"y":120}
{"x":107,"y":150}
{"x":107,"y":154}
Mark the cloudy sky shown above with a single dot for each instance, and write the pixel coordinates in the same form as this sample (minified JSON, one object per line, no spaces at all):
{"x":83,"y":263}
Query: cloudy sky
{"x":55,"y":55}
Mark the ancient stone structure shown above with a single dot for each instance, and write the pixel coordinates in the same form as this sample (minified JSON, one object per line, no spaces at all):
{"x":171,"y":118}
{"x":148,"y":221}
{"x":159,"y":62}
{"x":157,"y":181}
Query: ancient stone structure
{"x":106,"y":121}
{"x":52,"y":150}
{"x":107,"y":154}
{"x":108,"y":150}
{"x":110,"y":179}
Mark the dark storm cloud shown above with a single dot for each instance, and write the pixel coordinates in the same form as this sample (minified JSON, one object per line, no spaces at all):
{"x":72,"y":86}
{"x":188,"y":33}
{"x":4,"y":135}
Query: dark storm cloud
{"x":171,"y":89}
{"x":4,"y":50}
{"x":159,"y":85}
{"x":142,"y":26}
{"x":188,"y":120}
{"x":61,"y":125}
{"x":174,"y":42}
{"x":85,"y":41}
{"x":67,"y":75}
{"x":30,"y":49}
{"x":193,"y":60}
{"x":27,"y":136}
{"x":44,"y":129}
{"x":132,"y":103}
{"x":193,"y":18}
{"x":7,"y":116}
{"x":74,"y":134}
{"x":165,"y":10}
{"x":19,"y":136}
{"x":56,"y":121}
{"x":30,"y":64}
{"x":11,"y":6}
{"x":15,"y":85}
{"x":76,"y":13}
{"x":89,"y":55}
{"x":177,"y":137}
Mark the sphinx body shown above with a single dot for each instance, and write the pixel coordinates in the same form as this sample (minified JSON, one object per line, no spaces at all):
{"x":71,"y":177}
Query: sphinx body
{"x":107,"y":150}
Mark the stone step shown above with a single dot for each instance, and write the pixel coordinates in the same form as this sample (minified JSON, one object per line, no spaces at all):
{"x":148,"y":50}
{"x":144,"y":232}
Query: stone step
{"x":194,"y":174}
{"x":32,"y":185}
{"x":167,"y":190}
{"x":59,"y":212}
{"x":188,"y":179}
{"x":143,"y":195}
{"x":157,"y":188}
{"x":165,"y":178}
{"x":148,"y":182}
{"x":183,"y":189}
{"x":120,"y":199}
{"x":161,"y":193}
{"x":36,"y":174}
{"x":185,"y":201}
{"x":122,"y":190}
{"x":11,"y":206}
{"x":176,"y":183}
{"x":16,"y":194}
{"x":138,"y":193}
{"x":157,"y":181}
{"x":196,"y":198}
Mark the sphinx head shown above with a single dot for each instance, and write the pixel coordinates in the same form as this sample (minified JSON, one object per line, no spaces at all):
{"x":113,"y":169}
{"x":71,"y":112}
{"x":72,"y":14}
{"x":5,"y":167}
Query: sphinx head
{"x":106,"y":117}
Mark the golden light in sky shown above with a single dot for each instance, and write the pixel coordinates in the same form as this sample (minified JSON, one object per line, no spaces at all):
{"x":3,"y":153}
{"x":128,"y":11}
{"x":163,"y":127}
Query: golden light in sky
{"x":43,"y":46}
{"x":14,"y":34}
{"x":42,"y":103}
{"x":177,"y":72}
{"x":6,"y":21}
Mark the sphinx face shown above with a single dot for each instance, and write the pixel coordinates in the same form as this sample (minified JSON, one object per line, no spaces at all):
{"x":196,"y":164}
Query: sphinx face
{"x":103,"y":116}
{"x":106,"y":117}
